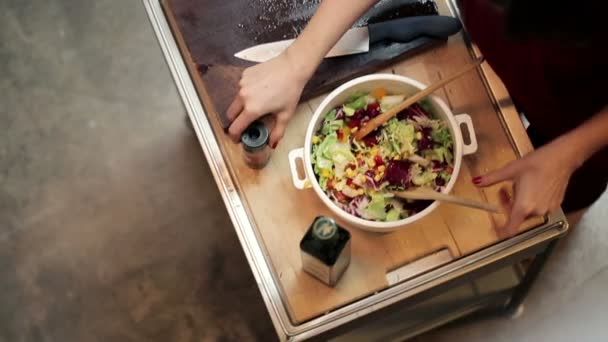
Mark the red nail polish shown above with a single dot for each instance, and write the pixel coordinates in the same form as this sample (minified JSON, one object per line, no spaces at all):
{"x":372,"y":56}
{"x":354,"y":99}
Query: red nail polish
{"x":476,"y":180}
{"x":274,"y":146}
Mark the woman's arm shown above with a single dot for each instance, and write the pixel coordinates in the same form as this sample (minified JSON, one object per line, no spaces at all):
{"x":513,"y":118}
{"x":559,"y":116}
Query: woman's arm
{"x":588,"y":138}
{"x":541,"y":177}
{"x":332,"y":19}
{"x":274,"y":87}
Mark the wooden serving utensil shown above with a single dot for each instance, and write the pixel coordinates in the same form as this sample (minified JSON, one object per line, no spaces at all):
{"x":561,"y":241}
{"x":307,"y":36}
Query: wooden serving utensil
{"x":429,"y":194}
{"x":379,"y":120}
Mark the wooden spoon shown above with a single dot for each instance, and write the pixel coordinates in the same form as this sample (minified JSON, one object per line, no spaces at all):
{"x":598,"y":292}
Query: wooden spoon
{"x":379,"y":120}
{"x":429,"y":194}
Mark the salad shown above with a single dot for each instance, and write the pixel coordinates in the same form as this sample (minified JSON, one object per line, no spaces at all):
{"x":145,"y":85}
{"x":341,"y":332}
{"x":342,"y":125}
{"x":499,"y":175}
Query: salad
{"x":413,"y":149}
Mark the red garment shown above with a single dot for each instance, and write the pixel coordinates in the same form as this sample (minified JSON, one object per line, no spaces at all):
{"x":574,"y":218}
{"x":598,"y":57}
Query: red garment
{"x":557,"y":85}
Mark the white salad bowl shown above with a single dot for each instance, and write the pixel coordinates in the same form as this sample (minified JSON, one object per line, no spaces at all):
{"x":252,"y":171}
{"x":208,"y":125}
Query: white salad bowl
{"x":394,"y":84}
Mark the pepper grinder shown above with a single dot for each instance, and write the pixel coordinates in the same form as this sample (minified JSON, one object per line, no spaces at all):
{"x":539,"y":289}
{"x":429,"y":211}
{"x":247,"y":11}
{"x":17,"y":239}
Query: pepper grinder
{"x":325,"y":250}
{"x":254,"y":140}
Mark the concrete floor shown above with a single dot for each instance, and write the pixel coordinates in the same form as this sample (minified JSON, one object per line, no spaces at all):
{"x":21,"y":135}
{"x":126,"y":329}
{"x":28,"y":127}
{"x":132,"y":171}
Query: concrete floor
{"x":111,"y":227}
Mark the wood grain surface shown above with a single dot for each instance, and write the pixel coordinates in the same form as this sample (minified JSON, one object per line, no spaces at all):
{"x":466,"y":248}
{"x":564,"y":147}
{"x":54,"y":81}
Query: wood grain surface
{"x":281,"y":213}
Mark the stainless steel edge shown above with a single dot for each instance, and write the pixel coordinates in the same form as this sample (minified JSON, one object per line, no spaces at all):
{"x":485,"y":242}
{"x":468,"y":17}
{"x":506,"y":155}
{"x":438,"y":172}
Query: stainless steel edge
{"x":245,"y":232}
{"x":248,"y":238}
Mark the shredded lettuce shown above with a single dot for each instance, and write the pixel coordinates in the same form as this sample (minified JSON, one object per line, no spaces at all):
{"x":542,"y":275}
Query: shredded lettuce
{"x":354,"y":96}
{"x":350,"y":192}
{"x":415,"y":171}
{"x":331,"y":124}
{"x":331,"y":115}
{"x":376,"y":209}
{"x":358,"y":103}
{"x":348,"y":111}
{"x":445,"y":176}
{"x":442,"y":154}
{"x":358,"y":146}
{"x":341,"y":156}
{"x":401,"y":136}
{"x":390,"y":101}
{"x":393,"y":215}
{"x":323,"y":183}
{"x":322,"y":155}
{"x":427,"y":106}
{"x":424,"y":178}
{"x":442,"y":136}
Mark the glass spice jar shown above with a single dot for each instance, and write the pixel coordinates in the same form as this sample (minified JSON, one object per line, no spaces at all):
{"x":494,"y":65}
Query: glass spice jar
{"x":254,"y":140}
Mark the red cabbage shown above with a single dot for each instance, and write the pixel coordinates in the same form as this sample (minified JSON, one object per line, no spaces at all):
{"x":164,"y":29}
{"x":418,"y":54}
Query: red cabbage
{"x":437,"y":166}
{"x":370,"y":181}
{"x":412,"y":111}
{"x":415,"y":207}
{"x":339,"y":113}
{"x":373,"y":110}
{"x":358,"y":205}
{"x":359,"y":115}
{"x":398,"y":173}
{"x":371,"y":139}
{"x":426,"y":142}
{"x":439,"y":181}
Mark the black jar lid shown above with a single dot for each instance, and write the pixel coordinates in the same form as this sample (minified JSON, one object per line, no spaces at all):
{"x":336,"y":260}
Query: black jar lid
{"x":255,"y":137}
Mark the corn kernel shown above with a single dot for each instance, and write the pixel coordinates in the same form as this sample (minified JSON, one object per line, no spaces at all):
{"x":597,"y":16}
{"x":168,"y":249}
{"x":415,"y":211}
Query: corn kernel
{"x":325,"y":173}
{"x":371,"y":163}
{"x":374,"y":151}
{"x":360,"y":192}
{"x":418,"y":135}
{"x":362,"y":178}
{"x":378,"y":177}
{"x":350,"y":173}
{"x":381,"y":168}
{"x":316,"y":139}
{"x":397,"y":157}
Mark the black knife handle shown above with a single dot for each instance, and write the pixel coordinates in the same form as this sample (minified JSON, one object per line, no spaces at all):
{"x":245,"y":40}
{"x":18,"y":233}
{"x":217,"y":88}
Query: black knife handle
{"x":407,"y":29}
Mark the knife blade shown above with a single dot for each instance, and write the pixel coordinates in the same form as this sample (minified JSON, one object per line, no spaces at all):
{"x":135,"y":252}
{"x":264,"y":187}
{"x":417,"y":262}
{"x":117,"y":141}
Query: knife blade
{"x":358,"y":40}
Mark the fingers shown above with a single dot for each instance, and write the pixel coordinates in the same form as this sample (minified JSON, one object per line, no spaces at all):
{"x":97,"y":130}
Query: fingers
{"x":240,"y":124}
{"x":517,"y":217}
{"x":500,"y":175}
{"x":235,"y":108}
{"x":279,"y":129}
{"x":505,"y":200}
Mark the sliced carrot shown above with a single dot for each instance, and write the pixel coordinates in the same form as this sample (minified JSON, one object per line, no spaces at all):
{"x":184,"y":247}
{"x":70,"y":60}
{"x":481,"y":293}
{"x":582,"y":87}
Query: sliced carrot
{"x":379,"y":93}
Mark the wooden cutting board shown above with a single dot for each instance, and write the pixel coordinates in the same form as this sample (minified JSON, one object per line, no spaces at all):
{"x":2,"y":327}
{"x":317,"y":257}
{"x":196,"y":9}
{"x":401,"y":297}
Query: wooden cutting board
{"x":214,"y":30}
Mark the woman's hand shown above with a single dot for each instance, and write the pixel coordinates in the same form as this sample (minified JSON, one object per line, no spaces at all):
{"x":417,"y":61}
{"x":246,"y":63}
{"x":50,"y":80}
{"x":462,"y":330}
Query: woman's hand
{"x":273,"y":87}
{"x":540,"y":180}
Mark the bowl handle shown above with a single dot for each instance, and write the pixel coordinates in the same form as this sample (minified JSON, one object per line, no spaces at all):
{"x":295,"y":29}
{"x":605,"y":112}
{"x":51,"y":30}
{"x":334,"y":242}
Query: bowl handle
{"x":298,"y":182}
{"x":466,"y":120}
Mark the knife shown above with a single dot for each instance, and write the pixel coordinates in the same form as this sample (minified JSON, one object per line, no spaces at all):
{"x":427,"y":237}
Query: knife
{"x":358,"y":40}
